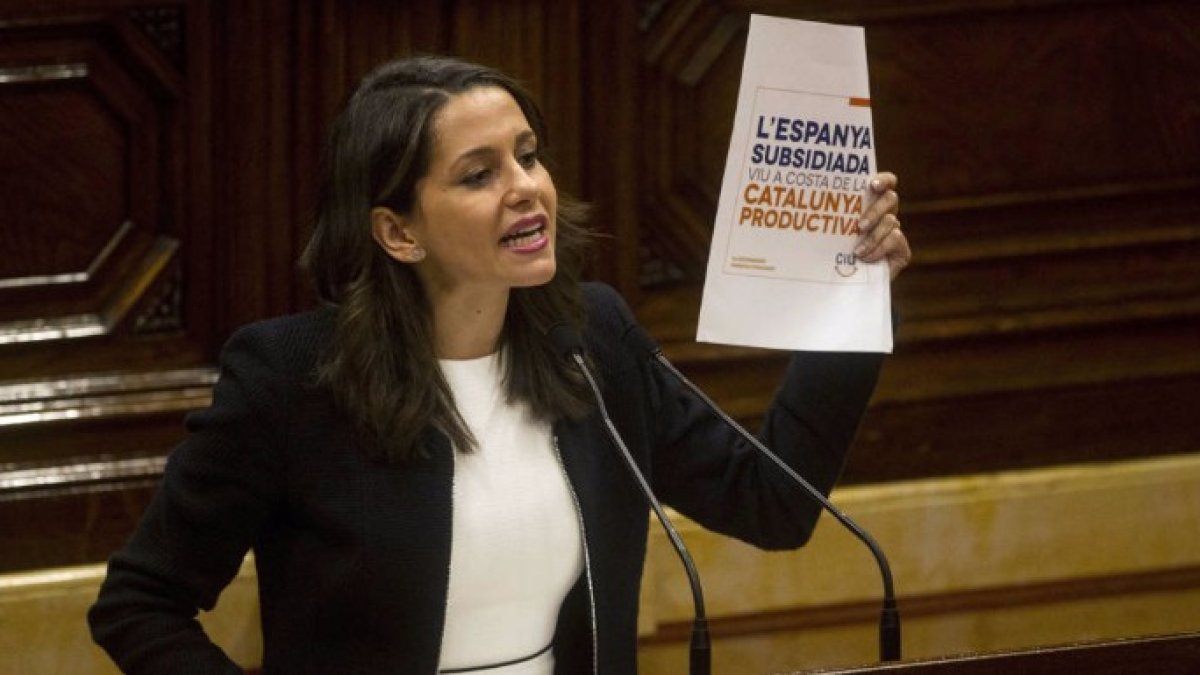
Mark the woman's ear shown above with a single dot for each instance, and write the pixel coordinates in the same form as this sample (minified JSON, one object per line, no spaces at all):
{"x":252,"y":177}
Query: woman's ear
{"x":390,"y":232}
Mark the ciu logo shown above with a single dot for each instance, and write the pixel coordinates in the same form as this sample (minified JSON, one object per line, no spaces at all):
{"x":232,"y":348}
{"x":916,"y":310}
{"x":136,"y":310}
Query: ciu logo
{"x":845,"y":264}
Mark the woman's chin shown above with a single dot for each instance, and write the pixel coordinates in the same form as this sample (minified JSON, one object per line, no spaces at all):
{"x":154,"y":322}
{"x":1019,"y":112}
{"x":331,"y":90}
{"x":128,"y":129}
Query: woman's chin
{"x":537,"y":275}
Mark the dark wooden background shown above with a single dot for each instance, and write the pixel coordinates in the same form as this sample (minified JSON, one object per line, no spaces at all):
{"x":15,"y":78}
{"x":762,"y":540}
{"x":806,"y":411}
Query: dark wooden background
{"x":158,"y":162}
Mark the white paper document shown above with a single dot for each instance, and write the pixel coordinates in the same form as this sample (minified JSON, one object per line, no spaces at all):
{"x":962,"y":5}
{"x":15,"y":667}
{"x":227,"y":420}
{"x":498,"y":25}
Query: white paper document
{"x":781,"y":269}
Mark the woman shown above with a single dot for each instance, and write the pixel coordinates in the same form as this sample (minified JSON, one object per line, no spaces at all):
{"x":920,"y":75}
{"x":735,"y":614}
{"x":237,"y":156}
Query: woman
{"x":424,"y":483}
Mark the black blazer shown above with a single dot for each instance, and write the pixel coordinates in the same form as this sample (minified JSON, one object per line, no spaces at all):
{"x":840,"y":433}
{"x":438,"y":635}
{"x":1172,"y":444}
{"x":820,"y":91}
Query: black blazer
{"x":353,"y":557}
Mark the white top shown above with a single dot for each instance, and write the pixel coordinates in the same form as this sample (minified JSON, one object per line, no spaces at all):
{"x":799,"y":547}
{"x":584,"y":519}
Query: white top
{"x":516,"y":547}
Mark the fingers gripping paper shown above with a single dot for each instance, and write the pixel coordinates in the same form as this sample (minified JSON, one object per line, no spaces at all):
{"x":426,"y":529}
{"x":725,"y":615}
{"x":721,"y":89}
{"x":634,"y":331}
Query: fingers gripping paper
{"x":781,"y":270}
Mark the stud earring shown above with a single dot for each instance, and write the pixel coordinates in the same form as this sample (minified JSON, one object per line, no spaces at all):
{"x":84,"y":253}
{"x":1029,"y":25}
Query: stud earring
{"x":417,"y":255}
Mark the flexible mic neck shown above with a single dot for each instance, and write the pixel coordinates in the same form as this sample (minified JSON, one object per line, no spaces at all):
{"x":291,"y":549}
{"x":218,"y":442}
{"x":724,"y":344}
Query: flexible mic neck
{"x":889,"y":620}
{"x":568,"y":344}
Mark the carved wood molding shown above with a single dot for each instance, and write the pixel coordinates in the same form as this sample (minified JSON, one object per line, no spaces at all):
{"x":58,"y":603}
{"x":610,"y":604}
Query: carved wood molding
{"x":42,"y":482}
{"x":104,"y":395}
{"x":38,"y":409}
{"x":43,"y":73}
{"x":161,"y":310}
{"x":165,"y":27}
{"x":83,"y":276}
{"x":115,"y":309}
{"x":95,"y":219}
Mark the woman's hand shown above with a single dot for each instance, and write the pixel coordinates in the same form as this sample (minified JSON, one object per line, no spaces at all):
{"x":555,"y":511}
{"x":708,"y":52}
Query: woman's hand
{"x":882,"y":238}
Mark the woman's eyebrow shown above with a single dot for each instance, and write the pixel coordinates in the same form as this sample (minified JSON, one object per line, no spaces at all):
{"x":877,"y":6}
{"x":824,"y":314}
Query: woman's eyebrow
{"x":486,"y":151}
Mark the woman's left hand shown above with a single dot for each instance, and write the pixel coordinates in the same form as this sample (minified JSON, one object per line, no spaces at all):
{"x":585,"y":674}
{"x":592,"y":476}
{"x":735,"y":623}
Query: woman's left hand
{"x":882,"y":238}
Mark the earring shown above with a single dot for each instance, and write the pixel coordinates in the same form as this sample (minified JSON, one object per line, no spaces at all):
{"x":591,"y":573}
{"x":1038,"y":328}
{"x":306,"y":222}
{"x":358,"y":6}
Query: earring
{"x":416,"y":255}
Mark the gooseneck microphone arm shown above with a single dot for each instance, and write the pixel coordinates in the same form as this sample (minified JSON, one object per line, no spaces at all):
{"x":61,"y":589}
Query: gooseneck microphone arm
{"x":889,"y":619}
{"x":568,"y":344}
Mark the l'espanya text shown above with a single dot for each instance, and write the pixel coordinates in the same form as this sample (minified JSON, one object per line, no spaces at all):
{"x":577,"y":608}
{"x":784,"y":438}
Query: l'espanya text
{"x":856,"y":136}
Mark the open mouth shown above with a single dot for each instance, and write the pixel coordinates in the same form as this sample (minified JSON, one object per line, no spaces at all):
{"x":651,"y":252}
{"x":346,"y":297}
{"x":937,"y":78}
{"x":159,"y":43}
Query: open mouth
{"x":524,"y":236}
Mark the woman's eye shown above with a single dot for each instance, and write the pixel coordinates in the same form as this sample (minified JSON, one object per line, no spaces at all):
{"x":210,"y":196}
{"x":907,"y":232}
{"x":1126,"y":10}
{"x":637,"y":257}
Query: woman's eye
{"x":528,"y":159}
{"x":476,"y":178}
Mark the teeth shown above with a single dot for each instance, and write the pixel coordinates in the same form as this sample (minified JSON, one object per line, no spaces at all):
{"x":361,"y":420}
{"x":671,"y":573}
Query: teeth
{"x":518,"y":239}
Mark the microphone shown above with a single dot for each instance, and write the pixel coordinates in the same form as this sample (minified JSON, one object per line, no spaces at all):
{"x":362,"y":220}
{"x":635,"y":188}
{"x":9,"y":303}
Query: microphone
{"x":567,"y":343}
{"x":889,"y":620}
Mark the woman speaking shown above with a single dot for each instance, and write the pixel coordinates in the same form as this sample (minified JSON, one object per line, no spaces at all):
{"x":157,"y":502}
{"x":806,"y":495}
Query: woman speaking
{"x":425,"y":483}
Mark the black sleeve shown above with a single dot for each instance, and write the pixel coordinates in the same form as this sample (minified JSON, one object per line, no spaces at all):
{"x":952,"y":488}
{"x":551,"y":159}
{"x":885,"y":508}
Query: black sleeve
{"x":718,"y":479}
{"x":219,"y":486}
{"x":709,"y":473}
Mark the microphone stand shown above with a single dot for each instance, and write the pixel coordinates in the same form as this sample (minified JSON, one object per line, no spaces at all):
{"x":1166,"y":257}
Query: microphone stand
{"x":889,"y":619}
{"x":700,"y":655}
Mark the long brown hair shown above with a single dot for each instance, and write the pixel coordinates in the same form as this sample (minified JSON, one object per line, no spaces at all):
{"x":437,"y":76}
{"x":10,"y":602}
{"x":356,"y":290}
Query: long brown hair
{"x":382,"y":368}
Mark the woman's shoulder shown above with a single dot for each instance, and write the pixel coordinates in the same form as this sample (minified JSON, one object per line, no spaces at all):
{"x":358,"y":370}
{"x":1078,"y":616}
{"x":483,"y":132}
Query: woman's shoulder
{"x":609,"y":321}
{"x":292,"y":342}
{"x":604,"y":305}
{"x":312,"y":323}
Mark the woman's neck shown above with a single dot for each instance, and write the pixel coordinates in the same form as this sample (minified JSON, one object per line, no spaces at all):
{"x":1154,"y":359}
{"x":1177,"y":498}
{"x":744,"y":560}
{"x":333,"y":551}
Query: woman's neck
{"x":467,"y":325}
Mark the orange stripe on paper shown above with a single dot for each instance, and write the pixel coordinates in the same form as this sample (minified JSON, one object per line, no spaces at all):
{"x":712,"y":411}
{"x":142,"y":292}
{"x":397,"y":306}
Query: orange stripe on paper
{"x":860,"y":102}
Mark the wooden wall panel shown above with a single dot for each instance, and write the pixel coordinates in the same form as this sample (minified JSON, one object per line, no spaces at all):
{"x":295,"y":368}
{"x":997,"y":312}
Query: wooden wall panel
{"x":90,"y":224}
{"x":104,"y":326}
{"x":1048,"y":153}
{"x":173,"y":147}
{"x":1048,"y":150}
{"x":159,"y":165}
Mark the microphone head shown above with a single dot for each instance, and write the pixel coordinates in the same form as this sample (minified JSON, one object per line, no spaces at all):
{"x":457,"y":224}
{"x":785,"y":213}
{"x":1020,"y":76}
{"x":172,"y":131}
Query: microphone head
{"x":641,"y":341}
{"x":565,"y":339}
